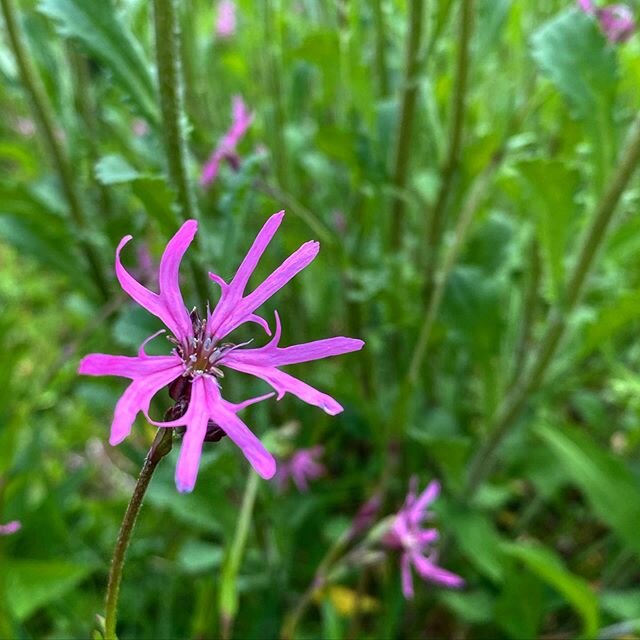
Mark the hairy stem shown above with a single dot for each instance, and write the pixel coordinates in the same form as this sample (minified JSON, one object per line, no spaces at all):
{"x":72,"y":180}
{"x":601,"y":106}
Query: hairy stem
{"x":436,"y":223}
{"x":531,"y":378}
{"x":406,"y":117}
{"x":44,"y":115}
{"x":172,"y":103}
{"x":160,"y":448}
{"x":229,"y":582}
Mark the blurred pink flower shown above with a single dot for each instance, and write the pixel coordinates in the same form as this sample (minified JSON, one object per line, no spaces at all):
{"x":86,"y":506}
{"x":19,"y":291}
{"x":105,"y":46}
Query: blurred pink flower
{"x":616,"y":20}
{"x":139,"y":127}
{"x":408,"y":534}
{"x":366,"y":515}
{"x":226,"y":149}
{"x":226,"y":19}
{"x":301,"y":466}
{"x":25,"y":127}
{"x":195,"y":366}
{"x":10,"y":527}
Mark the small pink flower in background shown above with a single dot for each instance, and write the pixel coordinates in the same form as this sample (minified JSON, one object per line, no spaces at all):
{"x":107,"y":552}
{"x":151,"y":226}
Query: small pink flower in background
{"x":408,"y":534}
{"x":366,"y":515}
{"x":139,"y":127}
{"x":196,"y":365}
{"x":10,"y":527}
{"x":616,"y":20}
{"x":26,"y":127}
{"x":226,"y":19}
{"x":301,"y":467}
{"x":226,"y":149}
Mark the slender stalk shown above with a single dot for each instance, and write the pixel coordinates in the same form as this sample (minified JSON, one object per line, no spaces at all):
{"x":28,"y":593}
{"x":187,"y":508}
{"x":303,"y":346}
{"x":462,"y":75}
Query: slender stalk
{"x":436,"y":223}
{"x":527,"y":319}
{"x":531,"y":379}
{"x":407,"y":117}
{"x":229,"y":582}
{"x":160,"y":448}
{"x":172,"y":103}
{"x":382,"y":68}
{"x":45,"y":118}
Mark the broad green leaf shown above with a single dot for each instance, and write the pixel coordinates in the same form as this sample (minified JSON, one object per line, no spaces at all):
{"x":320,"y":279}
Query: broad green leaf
{"x":545,"y":564}
{"x":572,"y":52}
{"x":625,"y":605}
{"x":152,"y":191}
{"x":614,"y":317}
{"x":610,"y":487}
{"x":550,"y":186}
{"x":519,"y":610}
{"x":32,"y":584}
{"x":97,"y":26}
{"x":478,"y":540}
{"x":472,"y":606}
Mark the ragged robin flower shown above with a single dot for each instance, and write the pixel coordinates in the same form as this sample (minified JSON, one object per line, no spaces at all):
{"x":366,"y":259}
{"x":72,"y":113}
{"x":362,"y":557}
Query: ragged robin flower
{"x":301,"y":466}
{"x":201,"y":354}
{"x":415,"y":542}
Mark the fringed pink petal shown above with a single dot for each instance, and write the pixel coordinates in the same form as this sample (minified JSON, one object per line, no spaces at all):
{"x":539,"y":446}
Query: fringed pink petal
{"x":284,"y":383}
{"x":418,"y":509}
{"x":433,"y":573}
{"x":196,"y":420}
{"x":406,"y":577}
{"x":102,"y":364}
{"x":233,"y":292}
{"x":169,"y":278}
{"x":254,"y":451}
{"x":137,"y":397}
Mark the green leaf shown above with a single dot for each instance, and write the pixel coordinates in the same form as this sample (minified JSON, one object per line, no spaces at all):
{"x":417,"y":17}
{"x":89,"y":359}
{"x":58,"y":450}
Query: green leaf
{"x":520,"y":608}
{"x":625,"y":605}
{"x":549,"y":187}
{"x":471,"y":606}
{"x":32,"y":584}
{"x":96,"y":25}
{"x":152,"y":191}
{"x":608,"y":484}
{"x":572,"y":53}
{"x":545,"y":564}
{"x":478,"y":540}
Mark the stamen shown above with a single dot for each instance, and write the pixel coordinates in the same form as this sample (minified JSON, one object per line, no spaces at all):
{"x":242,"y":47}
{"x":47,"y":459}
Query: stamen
{"x":208,"y":343}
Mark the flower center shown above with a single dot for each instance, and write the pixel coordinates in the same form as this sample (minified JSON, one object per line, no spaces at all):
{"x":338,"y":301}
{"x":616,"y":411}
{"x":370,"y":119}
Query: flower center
{"x":201,"y":352}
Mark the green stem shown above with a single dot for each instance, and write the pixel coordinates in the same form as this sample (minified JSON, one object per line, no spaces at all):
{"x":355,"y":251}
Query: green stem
{"x":160,"y":448}
{"x":407,"y":116}
{"x":531,"y":379}
{"x":382,"y":68}
{"x":229,"y":582}
{"x":435,"y":225}
{"x":44,"y":115}
{"x":171,"y":102}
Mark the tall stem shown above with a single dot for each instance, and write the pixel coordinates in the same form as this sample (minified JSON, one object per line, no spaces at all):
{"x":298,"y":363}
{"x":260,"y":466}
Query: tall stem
{"x":172,"y":103}
{"x":382,"y":68}
{"x":44,"y":115}
{"x":435,"y":225}
{"x":406,"y":119}
{"x":160,"y":448}
{"x":229,"y":582}
{"x":174,"y":118}
{"x":516,"y":399}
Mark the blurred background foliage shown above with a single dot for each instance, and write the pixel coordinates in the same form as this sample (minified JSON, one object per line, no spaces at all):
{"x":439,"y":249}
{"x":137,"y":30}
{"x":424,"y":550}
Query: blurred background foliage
{"x":449,"y":155}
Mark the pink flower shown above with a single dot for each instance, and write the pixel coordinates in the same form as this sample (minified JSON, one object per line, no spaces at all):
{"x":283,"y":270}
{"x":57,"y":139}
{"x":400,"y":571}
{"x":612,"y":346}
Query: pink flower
{"x":194,"y":368}
{"x":226,"y":149}
{"x":616,"y":20}
{"x":408,"y":534}
{"x":139,"y":127}
{"x":226,"y":20}
{"x":10,"y":527}
{"x":301,"y":467}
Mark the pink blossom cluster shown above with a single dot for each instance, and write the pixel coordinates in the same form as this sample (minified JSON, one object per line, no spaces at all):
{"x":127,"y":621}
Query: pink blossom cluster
{"x":616,"y":20}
